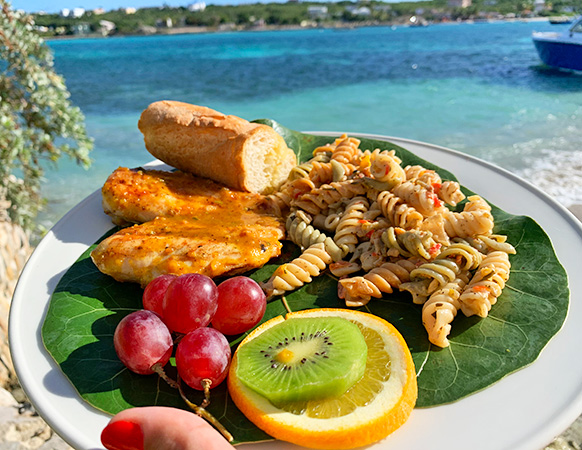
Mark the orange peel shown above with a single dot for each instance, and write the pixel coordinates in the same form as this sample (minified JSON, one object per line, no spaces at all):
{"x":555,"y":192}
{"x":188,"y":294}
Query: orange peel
{"x":372,"y":409}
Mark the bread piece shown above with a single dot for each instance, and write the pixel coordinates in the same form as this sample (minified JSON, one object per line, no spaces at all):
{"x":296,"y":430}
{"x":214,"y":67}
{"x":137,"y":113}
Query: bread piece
{"x":242,"y":155}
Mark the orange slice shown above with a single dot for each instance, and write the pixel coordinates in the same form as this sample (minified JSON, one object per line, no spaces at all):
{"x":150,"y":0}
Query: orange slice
{"x":369,"y":411}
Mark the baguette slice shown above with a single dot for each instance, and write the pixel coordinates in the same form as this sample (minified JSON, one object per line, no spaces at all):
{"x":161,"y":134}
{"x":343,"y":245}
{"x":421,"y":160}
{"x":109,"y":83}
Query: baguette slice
{"x":242,"y":155}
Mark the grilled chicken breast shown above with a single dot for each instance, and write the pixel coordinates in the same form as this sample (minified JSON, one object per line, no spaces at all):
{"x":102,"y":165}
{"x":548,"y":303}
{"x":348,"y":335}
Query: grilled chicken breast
{"x":190,"y":225}
{"x":138,"y":195}
{"x":181,"y":245}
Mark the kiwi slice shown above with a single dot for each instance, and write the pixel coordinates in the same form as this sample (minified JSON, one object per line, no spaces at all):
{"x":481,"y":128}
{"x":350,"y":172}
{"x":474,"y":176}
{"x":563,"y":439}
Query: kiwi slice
{"x":305,"y":358}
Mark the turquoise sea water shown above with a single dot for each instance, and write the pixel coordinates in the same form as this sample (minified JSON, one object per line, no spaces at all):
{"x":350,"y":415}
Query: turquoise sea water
{"x":476,"y":88}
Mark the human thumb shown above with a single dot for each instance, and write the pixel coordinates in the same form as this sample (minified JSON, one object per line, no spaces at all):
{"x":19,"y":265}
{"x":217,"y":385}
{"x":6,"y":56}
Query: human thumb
{"x":161,"y":428}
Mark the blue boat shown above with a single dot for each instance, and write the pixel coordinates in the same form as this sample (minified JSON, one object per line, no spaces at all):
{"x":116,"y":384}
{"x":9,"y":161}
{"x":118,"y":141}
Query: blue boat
{"x":561,"y":50}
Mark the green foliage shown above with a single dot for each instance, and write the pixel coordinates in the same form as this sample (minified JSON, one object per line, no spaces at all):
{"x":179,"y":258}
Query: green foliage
{"x":37,"y":121}
{"x":245,"y":15}
{"x":87,"y":305}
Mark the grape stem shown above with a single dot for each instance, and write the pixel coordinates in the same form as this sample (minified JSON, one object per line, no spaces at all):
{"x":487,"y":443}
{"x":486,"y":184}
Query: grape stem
{"x":201,"y":410}
{"x":157,"y":368}
{"x":206,"y":383}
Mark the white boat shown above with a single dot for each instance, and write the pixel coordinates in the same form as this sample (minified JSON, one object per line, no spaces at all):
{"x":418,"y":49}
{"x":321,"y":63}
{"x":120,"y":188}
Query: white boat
{"x":561,"y":50}
{"x":560,"y":20}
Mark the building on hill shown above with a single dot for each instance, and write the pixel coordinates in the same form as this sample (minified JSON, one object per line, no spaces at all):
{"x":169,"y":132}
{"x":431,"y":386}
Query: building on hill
{"x":539,"y":6}
{"x":361,"y":11}
{"x":460,"y":3}
{"x":198,"y":6}
{"x":317,"y":12}
{"x":74,"y":13}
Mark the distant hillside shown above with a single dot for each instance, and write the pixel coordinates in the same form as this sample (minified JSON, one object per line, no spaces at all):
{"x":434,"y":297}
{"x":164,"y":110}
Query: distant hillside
{"x":293,"y":13}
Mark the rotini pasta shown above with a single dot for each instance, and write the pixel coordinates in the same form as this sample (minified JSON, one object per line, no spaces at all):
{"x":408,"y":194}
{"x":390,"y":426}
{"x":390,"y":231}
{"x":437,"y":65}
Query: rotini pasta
{"x":425,"y":176}
{"x":429,"y":277}
{"x":410,"y":243}
{"x":304,"y":235}
{"x":328,"y":172}
{"x":385,"y":167}
{"x":441,"y":308}
{"x":475,"y":219}
{"x":346,"y":150}
{"x":358,"y":291}
{"x":321,"y":198}
{"x":450,"y":193}
{"x":280,"y":201}
{"x":303,"y":170}
{"x":346,"y":231}
{"x":420,"y":197}
{"x":486,"y":285}
{"x":398,"y":213}
{"x":465,"y":255}
{"x":496,"y":242}
{"x":298,"y":272}
{"x":390,"y":228}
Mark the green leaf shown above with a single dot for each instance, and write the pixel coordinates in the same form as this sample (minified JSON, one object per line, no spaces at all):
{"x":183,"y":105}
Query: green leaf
{"x":87,"y":305}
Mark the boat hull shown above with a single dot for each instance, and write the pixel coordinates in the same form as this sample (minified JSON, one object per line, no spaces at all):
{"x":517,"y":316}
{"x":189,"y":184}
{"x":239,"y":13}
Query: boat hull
{"x":559,"y":54}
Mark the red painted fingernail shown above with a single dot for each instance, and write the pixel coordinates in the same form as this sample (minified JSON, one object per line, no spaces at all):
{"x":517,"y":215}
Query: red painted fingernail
{"x":122,"y":435}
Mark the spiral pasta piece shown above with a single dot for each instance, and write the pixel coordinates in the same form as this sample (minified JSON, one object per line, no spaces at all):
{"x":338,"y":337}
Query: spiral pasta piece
{"x":330,"y":147}
{"x":475,"y":219}
{"x":465,"y":255}
{"x":486,"y":285}
{"x":410,"y":243}
{"x":449,"y":192}
{"x":358,"y":291}
{"x":398,"y":213}
{"x":279,"y":202}
{"x":328,"y":172}
{"x":321,"y":198}
{"x":369,"y":257}
{"x":421,"y":198}
{"x":298,"y":272}
{"x":429,"y":277}
{"x":426,"y":176}
{"x":303,"y":170}
{"x":346,"y":151}
{"x":346,"y":231}
{"x":495,"y":242}
{"x":305,"y":235}
{"x":328,"y":221}
{"x":344,"y":268}
{"x":441,"y":308}
{"x":385,"y":167}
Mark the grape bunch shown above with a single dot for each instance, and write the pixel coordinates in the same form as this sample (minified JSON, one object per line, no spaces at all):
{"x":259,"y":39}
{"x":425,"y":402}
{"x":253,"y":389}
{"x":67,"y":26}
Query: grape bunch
{"x":192,"y":311}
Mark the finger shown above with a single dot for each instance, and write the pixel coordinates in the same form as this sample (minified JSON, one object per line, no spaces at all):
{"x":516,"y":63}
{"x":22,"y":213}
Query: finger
{"x":161,"y":428}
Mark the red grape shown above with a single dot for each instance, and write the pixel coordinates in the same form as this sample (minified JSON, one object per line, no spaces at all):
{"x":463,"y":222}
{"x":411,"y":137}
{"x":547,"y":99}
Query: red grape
{"x":153,"y":294}
{"x":190,"y":302}
{"x":241,"y":305}
{"x":203,"y":353}
{"x":142,"y":340}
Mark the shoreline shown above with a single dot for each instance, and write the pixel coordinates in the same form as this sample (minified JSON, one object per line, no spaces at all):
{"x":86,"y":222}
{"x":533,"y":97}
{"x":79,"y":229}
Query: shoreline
{"x":327,"y":26}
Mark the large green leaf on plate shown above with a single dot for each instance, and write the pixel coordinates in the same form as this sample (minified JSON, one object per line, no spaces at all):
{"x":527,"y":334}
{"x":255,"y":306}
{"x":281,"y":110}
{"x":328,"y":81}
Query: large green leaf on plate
{"x":87,"y":305}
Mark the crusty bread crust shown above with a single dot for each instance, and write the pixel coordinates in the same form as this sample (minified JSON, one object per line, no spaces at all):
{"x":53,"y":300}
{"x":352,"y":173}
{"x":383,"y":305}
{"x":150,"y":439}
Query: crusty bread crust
{"x":242,"y":155}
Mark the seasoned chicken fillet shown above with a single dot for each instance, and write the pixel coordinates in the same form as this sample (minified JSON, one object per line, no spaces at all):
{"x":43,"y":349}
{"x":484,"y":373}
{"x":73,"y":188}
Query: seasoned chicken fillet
{"x":138,"y":195}
{"x":181,"y":245}
{"x":190,"y":225}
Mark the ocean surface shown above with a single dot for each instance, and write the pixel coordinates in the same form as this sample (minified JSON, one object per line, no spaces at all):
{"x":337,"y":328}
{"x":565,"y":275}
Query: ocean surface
{"x":477,"y":88}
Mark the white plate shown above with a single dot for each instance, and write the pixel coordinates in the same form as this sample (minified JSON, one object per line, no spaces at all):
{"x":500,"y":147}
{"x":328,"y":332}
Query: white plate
{"x":525,"y":410}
